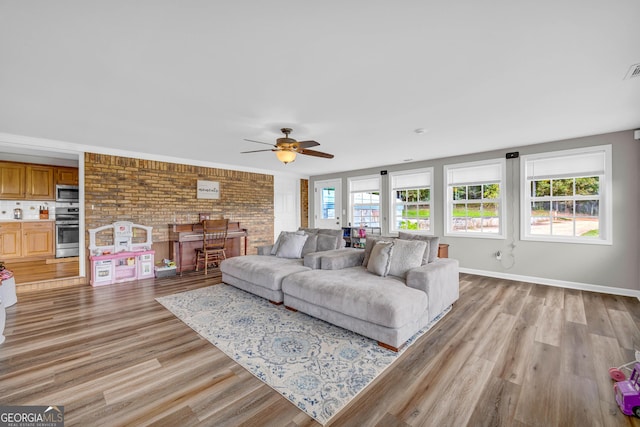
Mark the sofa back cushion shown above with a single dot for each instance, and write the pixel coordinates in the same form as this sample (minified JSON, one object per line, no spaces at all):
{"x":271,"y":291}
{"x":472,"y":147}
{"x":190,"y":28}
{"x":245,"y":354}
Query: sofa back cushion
{"x":431,"y":251}
{"x":380,"y":258}
{"x":334,"y":241}
{"x":291,"y":245}
{"x":406,"y":255}
{"x":310,"y":245}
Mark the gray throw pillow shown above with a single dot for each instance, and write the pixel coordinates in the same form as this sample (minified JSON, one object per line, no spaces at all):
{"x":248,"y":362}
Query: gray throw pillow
{"x":327,"y":242}
{"x":274,"y":248}
{"x":309,"y":231}
{"x":370,"y":242}
{"x":431,"y":252}
{"x":291,"y":245}
{"x":310,"y":245}
{"x":407,"y":255}
{"x":380,"y":258}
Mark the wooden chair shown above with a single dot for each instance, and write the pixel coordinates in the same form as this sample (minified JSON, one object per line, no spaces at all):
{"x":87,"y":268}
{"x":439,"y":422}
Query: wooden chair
{"x":214,"y":240}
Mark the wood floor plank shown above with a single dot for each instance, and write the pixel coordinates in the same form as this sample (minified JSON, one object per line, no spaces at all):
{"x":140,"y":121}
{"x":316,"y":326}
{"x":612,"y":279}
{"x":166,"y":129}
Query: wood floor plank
{"x":514,"y":358}
{"x":627,"y":331}
{"x":114,"y":356}
{"x":606,"y":354}
{"x":576,"y":353}
{"x":574,"y":307}
{"x":578,"y":408}
{"x":550,"y":324}
{"x":597,"y":316}
{"x":538,"y":403}
{"x":497,"y":404}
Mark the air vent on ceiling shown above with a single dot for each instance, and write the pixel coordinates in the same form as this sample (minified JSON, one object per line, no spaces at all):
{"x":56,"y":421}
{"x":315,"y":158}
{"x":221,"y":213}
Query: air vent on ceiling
{"x":634,"y":71}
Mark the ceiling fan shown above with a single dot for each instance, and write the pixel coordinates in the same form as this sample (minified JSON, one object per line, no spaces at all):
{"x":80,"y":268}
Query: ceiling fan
{"x":286,"y":148}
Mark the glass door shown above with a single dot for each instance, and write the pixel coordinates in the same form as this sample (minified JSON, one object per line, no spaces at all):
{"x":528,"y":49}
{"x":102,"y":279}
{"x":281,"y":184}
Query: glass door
{"x":327,"y":204}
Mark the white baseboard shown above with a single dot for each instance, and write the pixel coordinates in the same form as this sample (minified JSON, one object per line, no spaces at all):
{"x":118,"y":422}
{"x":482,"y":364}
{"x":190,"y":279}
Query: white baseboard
{"x":554,"y":282}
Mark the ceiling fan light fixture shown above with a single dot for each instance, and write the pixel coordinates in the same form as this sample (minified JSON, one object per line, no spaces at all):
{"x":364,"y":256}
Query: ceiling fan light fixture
{"x":286,"y":156}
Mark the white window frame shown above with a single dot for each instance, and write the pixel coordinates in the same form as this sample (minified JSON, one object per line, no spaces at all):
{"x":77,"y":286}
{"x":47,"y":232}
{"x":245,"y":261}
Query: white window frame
{"x":350,"y":182}
{"x":605,"y":197}
{"x":448,"y":189}
{"x":391,"y":223}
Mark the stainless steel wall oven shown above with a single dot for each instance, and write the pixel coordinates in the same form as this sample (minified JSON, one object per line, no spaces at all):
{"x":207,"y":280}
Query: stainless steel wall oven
{"x":67,"y":230}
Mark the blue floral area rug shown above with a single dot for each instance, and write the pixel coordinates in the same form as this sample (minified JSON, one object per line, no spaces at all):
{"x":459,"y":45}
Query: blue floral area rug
{"x":317,"y":366}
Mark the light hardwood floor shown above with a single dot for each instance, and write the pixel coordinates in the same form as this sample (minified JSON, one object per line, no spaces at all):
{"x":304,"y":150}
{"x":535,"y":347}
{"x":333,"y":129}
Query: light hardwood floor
{"x":508,"y":354}
{"x":39,"y":270}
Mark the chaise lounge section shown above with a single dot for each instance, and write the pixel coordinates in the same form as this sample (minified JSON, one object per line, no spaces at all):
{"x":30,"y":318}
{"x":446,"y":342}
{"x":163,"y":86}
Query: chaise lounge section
{"x":387,"y":292}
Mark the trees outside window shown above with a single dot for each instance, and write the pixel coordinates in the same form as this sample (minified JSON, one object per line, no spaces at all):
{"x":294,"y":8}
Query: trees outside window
{"x":565,"y":195}
{"x":411,"y":201}
{"x":475,"y":198}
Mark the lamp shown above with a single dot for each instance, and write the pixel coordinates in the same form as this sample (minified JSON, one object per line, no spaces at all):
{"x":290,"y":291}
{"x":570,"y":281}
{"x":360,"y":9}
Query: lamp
{"x":286,"y":156}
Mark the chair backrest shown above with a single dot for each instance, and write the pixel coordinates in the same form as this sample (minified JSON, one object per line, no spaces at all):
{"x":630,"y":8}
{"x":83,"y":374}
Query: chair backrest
{"x":215,"y":233}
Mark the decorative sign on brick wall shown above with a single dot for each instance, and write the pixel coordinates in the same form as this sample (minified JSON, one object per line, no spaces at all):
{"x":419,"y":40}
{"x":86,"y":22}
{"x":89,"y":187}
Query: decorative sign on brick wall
{"x":208,"y":190}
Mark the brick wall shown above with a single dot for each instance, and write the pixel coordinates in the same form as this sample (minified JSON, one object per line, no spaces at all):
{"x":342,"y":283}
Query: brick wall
{"x":304,"y":203}
{"x":156,"y":194}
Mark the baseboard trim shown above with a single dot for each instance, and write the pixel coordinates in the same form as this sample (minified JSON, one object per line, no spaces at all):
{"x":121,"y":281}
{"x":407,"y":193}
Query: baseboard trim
{"x":554,"y":282}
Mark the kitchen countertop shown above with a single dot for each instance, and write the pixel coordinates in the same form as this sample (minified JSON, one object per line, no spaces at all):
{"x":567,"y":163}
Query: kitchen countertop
{"x":26,"y":220}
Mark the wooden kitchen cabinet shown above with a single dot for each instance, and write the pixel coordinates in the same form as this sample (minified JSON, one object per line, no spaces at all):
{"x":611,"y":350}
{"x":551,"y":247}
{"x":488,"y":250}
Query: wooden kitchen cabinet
{"x":10,"y":240}
{"x":12,"y":180}
{"x":37,"y":239}
{"x":39,"y":183}
{"x":26,"y":239}
{"x":66,"y":176}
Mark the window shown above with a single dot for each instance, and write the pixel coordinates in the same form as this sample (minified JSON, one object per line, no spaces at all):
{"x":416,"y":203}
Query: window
{"x":475,"y":199}
{"x":327,"y":203}
{"x":364,"y":201}
{"x":566,"y":196}
{"x":410,"y":201}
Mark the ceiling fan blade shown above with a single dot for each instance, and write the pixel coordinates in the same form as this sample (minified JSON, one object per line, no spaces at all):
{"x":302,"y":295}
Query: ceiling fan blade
{"x":315,"y":153}
{"x":255,"y":151}
{"x":259,"y":142}
{"x":306,"y":144}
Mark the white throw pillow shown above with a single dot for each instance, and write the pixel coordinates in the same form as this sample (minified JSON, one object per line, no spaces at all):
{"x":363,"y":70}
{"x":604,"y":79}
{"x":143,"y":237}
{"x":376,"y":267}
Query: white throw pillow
{"x":407,"y":255}
{"x":291,"y":245}
{"x":380,"y":258}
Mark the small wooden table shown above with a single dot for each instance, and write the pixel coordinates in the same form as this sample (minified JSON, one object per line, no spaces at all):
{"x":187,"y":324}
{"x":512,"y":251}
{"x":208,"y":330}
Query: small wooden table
{"x":443,"y":250}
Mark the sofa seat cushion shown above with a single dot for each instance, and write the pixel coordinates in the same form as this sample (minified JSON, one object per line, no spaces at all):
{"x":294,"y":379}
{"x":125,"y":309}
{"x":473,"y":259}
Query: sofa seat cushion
{"x":262,"y":270}
{"x":384,"y":301}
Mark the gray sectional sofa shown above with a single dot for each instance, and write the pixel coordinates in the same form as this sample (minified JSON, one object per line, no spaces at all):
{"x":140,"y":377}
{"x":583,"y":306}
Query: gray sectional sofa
{"x":387,"y":292}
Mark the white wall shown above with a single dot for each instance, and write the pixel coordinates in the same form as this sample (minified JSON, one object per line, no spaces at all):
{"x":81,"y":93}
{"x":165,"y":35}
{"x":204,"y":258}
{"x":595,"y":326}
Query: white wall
{"x":286,"y":201}
{"x":565,"y":264}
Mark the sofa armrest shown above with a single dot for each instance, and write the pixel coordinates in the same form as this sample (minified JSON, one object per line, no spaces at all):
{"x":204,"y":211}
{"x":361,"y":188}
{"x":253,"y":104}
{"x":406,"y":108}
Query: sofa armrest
{"x":440,"y":280}
{"x":265,"y":250}
{"x":335,"y":259}
{"x":341,"y":258}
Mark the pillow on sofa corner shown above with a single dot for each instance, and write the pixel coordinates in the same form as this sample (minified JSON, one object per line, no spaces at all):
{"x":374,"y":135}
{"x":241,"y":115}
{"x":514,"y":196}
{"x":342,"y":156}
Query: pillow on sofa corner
{"x":370,"y":242}
{"x":311,"y":245}
{"x":380,"y":258}
{"x":291,"y":245}
{"x":274,"y":249}
{"x":406,"y":255}
{"x":431,"y":252}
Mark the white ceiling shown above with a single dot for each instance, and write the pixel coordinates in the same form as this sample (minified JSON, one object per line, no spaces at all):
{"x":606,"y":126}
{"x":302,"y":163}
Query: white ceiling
{"x":193,"y":78}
